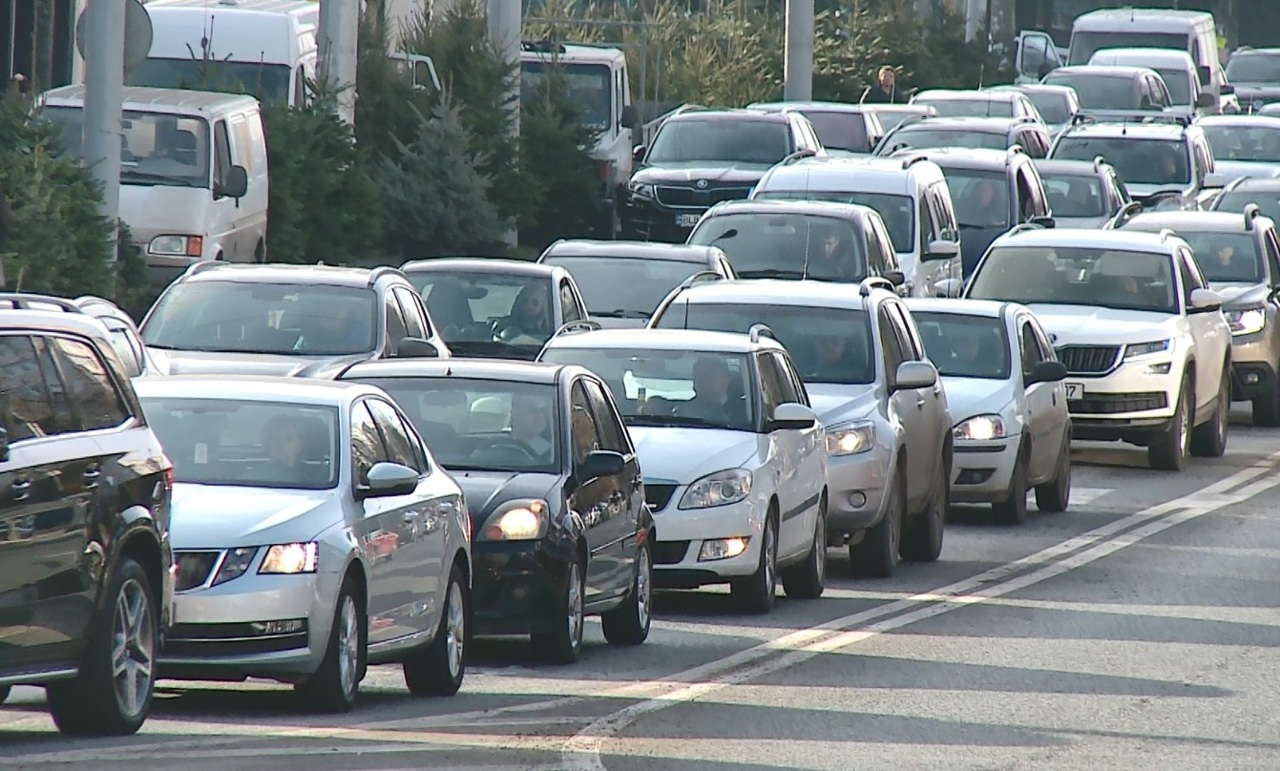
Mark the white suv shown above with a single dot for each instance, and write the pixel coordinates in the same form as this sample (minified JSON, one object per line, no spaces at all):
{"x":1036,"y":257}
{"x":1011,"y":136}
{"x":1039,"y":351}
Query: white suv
{"x":910,"y":193}
{"x":1146,"y":346}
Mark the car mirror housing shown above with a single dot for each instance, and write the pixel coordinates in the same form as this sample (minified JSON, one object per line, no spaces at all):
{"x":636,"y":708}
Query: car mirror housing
{"x":915,"y":374}
{"x":416,"y":348}
{"x":387,"y":479}
{"x":940,"y":250}
{"x":601,"y":463}
{"x":948,"y":287}
{"x":792,"y":416}
{"x":1047,"y":372}
{"x":1204,"y":300}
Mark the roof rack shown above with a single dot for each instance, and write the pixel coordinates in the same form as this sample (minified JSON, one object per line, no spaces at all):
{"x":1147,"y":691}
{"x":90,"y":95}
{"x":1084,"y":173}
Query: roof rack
{"x":911,"y":120}
{"x":1166,"y":234}
{"x":1023,"y":227}
{"x":798,"y":155}
{"x":1122,"y":216}
{"x":1251,"y":212}
{"x":581,"y":325}
{"x":875,"y":282}
{"x":913,"y":160}
{"x":1098,"y":162}
{"x":702,"y":276}
{"x":204,"y":265}
{"x":682,"y":109}
{"x":382,"y":271}
{"x":27,"y":301}
{"x":760,"y":330}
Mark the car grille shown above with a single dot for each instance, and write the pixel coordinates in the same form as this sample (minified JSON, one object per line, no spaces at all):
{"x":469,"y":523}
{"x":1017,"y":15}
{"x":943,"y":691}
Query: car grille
{"x":658,"y":496}
{"x":693,"y":198}
{"x":669,"y":552}
{"x":1088,"y":359}
{"x":1112,"y":404}
{"x":194,"y":567}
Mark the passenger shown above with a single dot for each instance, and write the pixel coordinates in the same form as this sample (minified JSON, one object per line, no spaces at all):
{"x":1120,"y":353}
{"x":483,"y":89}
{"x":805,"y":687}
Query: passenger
{"x":712,"y":401}
{"x":530,"y":417}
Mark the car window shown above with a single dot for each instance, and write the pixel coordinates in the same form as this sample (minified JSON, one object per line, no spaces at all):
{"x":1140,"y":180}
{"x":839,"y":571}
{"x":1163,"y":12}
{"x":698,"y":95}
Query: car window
{"x":1226,"y":257}
{"x":1138,"y":161}
{"x":981,"y":197}
{"x":884,"y":246}
{"x":583,"y":430}
{"x":928,"y":228}
{"x":746,"y":141}
{"x":126,"y":345}
{"x":1031,"y":353}
{"x":569,"y":303}
{"x":793,"y":374}
{"x":396,"y":328}
{"x":789,"y":389}
{"x":27,"y":407}
{"x":477,"y":307}
{"x":613,"y":435}
{"x":221,"y":153}
{"x":414,"y":316}
{"x":1273,"y":256}
{"x":772,"y":386}
{"x":908,"y":340}
{"x":394,"y":438}
{"x":93,"y":393}
{"x":1191,"y":277}
{"x":962,"y":345}
{"x":1075,"y":195}
{"x":366,"y":444}
{"x":893,"y":353}
{"x":786,"y":245}
{"x":897,"y":211}
{"x":944,"y":215}
{"x":1086,"y":276}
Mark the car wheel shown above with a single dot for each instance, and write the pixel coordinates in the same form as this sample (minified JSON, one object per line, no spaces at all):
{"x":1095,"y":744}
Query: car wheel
{"x":111,"y":696}
{"x":756,"y":593}
{"x":563,"y":644}
{"x":922,"y":541}
{"x":628,"y":624}
{"x":1055,"y":495}
{"x":876,"y":555}
{"x":437,"y":669}
{"x":1209,"y":440}
{"x":1169,"y":450}
{"x":1266,"y":408}
{"x":1013,"y":509}
{"x":807,"y":580}
{"x":334,"y":686}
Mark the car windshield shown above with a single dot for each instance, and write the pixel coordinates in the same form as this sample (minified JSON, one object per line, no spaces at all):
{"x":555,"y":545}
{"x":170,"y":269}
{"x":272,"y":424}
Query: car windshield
{"x":840,"y":130}
{"x":828,"y":345}
{"x":625,"y":287}
{"x":1226,"y":257}
{"x":777,"y":245}
{"x":661,"y":387}
{"x":218,"y":441}
{"x":981,"y":197}
{"x":306,"y":319}
{"x":1097,"y":91}
{"x":763,"y":142}
{"x":155,"y":148}
{"x":1179,"y":84}
{"x":1074,"y":195}
{"x":1268,"y":201}
{"x":1137,"y":161}
{"x":969,"y":107}
{"x":1110,"y":278}
{"x":488,"y":308}
{"x":895,"y":210}
{"x":923,"y":137}
{"x":1254,"y":68}
{"x":486,"y":425}
{"x":1085,"y":44}
{"x":960,"y":345}
{"x":588,"y":86}
{"x":1054,"y":108}
{"x":265,"y":82}
{"x":1244,"y":143}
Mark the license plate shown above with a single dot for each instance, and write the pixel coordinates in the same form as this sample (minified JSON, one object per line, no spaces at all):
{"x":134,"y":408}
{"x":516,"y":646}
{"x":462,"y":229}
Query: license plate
{"x":687,"y":220}
{"x":1074,"y":391}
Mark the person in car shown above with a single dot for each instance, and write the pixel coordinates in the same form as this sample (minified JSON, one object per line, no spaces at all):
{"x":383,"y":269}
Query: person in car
{"x":979,"y":208}
{"x":531,"y":313}
{"x":530,"y":418}
{"x":337,"y":329}
{"x":834,"y":360}
{"x":834,"y":258}
{"x":712,"y":400}
{"x":283,"y":439}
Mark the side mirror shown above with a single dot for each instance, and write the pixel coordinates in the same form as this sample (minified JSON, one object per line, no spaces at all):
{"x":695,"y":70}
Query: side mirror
{"x":388,"y":479}
{"x":895,"y":277}
{"x":629,"y":117}
{"x":1214,"y":180}
{"x":1047,"y":372}
{"x":1226,"y":89}
{"x":637,"y":153}
{"x":1204,"y":300}
{"x":948,"y":287}
{"x":1044,"y":222}
{"x":793,"y":416}
{"x":234,"y":185}
{"x":1206,"y":100}
{"x":915,"y":374}
{"x":4,"y":445}
{"x":601,"y":463}
{"x":416,"y":348}
{"x":941,"y":250}
{"x":1205,"y":74}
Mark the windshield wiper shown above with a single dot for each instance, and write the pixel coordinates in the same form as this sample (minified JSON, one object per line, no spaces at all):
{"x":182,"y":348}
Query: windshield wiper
{"x":771,"y":273}
{"x":148,"y":178}
{"x":673,"y":420}
{"x":621,"y":313}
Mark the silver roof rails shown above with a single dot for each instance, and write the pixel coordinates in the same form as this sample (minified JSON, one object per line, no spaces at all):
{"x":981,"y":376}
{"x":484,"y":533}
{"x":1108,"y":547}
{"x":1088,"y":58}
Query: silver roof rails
{"x":204,"y":265}
{"x":29,"y":301}
{"x":875,"y":282}
{"x":382,"y":271}
{"x":1098,"y":161}
{"x":1167,"y":233}
{"x":1251,"y":212}
{"x":910,"y":161}
{"x":574,"y":327}
{"x":760,"y":330}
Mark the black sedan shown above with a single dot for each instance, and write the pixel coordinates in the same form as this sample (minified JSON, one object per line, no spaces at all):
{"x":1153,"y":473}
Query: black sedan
{"x":559,"y":522}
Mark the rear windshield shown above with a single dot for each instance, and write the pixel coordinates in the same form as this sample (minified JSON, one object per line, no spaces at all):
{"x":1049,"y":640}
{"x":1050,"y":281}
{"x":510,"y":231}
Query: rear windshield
{"x":1085,"y":44}
{"x":1098,"y":92}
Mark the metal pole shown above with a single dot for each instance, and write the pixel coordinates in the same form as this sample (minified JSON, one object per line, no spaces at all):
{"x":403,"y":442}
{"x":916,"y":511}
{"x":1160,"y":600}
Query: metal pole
{"x":339,"y":35}
{"x":797,"y":83}
{"x":505,"y":18}
{"x":973,"y":9}
{"x":103,"y":100}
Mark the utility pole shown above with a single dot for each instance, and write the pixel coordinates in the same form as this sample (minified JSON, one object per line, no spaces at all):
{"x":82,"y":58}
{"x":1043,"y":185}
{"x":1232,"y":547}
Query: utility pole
{"x":973,"y":9}
{"x":505,"y":18}
{"x":797,"y":80}
{"x":103,"y":100}
{"x":338,"y":41}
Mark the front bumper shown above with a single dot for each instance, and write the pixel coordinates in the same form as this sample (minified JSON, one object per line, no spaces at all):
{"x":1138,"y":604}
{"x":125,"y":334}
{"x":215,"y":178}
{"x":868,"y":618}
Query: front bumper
{"x":515,"y":586}
{"x":982,"y":471}
{"x":679,"y":535}
{"x":1253,"y":370}
{"x":1131,"y":403}
{"x":647,"y":220}
{"x":857,"y":485}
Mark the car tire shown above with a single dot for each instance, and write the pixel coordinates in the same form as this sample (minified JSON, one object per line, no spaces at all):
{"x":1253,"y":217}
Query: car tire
{"x":1266,"y":408}
{"x":1168,"y":451}
{"x":97,"y":702}
{"x":1013,"y":509}
{"x":876,"y":555}
{"x":922,"y":540}
{"x":756,"y":593}
{"x":1055,"y":495}
{"x":563,"y":644}
{"x":807,"y":580}
{"x":437,"y":669}
{"x":1209,"y":439}
{"x":628,"y":624}
{"x":333,"y":688}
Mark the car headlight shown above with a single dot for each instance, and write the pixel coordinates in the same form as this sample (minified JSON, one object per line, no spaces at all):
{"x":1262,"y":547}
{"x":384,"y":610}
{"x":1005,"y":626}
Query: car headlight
{"x":980,"y":428}
{"x":719,"y":489}
{"x":176,"y":246}
{"x":1246,"y":321}
{"x":1135,"y":350}
{"x":523,"y":520}
{"x":291,"y":558}
{"x":234,"y":564}
{"x":641,"y":189}
{"x":851,"y":439}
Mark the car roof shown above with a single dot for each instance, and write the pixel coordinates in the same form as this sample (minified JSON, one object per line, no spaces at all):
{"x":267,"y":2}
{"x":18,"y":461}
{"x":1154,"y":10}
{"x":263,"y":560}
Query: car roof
{"x":966,"y":94}
{"x":312,"y":391}
{"x":987,"y":308}
{"x":1116,"y":240}
{"x":1242,"y":119}
{"x":1103,"y":71}
{"x":1034,"y":88}
{"x":279,"y":273}
{"x":160,"y":100}
{"x":814,"y":294}
{"x":645,"y":250}
{"x":1049,"y":167}
{"x":471,"y":369}
{"x":968,"y":157}
{"x":479,"y":265}
{"x":664,"y":339}
{"x":835,"y":209}
{"x":1193,"y":221}
{"x":810,"y":107}
{"x":1116,"y":130}
{"x":729,"y":115}
{"x":81,"y":323}
{"x":1153,"y":54}
{"x":864,"y":172}
{"x":988,"y":125}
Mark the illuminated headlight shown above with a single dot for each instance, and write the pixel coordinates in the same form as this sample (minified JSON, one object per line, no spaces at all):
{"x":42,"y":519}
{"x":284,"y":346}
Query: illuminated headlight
{"x":176,"y":246}
{"x":234,"y":564}
{"x":291,"y":558}
{"x":1246,"y":321}
{"x":641,"y":189}
{"x":719,"y":489}
{"x":1135,"y":350}
{"x":980,"y":428}
{"x":722,"y":548}
{"x":851,"y":439}
{"x":524,"y":520}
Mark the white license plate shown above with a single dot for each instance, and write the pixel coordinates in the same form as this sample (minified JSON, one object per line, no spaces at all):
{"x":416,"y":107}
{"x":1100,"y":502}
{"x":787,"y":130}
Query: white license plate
{"x":1074,"y":391}
{"x":687,"y":220}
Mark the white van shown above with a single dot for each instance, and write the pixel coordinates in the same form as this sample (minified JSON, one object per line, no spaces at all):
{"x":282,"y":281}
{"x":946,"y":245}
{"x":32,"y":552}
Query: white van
{"x":1175,"y":68}
{"x":266,"y":48}
{"x":193,"y":173}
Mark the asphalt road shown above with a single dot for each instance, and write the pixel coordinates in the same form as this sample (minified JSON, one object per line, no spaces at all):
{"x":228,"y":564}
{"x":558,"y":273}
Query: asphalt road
{"x":1138,"y":630}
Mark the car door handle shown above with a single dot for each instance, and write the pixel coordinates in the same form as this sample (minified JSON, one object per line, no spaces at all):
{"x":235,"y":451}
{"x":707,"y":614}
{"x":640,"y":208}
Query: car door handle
{"x":920,"y":402}
{"x":21,"y":489}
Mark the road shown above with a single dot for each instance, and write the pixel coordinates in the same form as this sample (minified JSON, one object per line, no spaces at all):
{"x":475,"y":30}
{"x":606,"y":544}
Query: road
{"x":1138,"y":630}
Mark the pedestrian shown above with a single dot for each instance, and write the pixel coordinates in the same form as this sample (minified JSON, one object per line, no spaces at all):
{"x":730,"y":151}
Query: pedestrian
{"x":884,"y":90}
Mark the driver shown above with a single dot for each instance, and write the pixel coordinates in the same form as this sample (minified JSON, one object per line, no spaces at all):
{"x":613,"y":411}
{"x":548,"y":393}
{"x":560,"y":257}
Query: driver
{"x":834,"y":258}
{"x":1224,"y":255}
{"x":531,"y":313}
{"x":282,"y":437}
{"x":337,"y":330}
{"x":530,"y":417}
{"x":980,"y":205}
{"x":833,"y":360}
{"x":711,"y":400}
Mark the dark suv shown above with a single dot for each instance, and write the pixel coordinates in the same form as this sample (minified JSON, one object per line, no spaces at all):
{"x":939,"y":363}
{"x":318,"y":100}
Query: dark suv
{"x":224,"y":318}
{"x":701,"y":157}
{"x":86,"y":576}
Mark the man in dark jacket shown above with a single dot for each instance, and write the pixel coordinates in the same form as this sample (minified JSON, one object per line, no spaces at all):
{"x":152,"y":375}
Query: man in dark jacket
{"x":885,"y":90}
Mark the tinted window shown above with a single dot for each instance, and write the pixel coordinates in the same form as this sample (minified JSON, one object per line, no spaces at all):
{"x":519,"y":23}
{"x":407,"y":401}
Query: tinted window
{"x":773,"y":384}
{"x":1243,"y":143}
{"x":247,"y":443}
{"x":1254,"y":68}
{"x":126,"y":345}
{"x":894,"y":355}
{"x":399,"y":447}
{"x":1178,"y":84}
{"x":366,"y":443}
{"x":613,"y":435}
{"x":923,"y":137}
{"x":1054,"y":108}
{"x":569,"y":304}
{"x":827,"y":345}
{"x":26,"y":406}
{"x":1268,"y":201}
{"x":981,"y":197}
{"x":413,"y":320}
{"x":1138,"y":161}
{"x":90,"y":388}
{"x":1098,"y":92}
{"x":748,"y":141}
{"x":625,"y":288}
{"x":840,"y":130}
{"x":252,"y":317}
{"x":396,"y":328}
{"x":960,"y":345}
{"x":1077,"y":276}
{"x":1075,"y":195}
{"x":895,"y":210}
{"x":583,"y":433}
{"x":488,"y":309}
{"x":763,"y":245}
{"x":789,"y":392}
{"x":266,"y":82}
{"x":1226,"y":257}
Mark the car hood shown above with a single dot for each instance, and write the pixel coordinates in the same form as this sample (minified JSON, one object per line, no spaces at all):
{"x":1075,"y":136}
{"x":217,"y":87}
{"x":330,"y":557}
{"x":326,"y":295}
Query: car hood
{"x":1088,"y":223}
{"x":485,"y":491}
{"x":689,"y":173}
{"x":1143,"y":192}
{"x":1240,"y":295}
{"x":218,"y":363}
{"x":1233,"y":170}
{"x":969,"y":396}
{"x":836,"y":404}
{"x":1091,"y":325}
{"x":683,"y":455}
{"x":222,"y":517}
